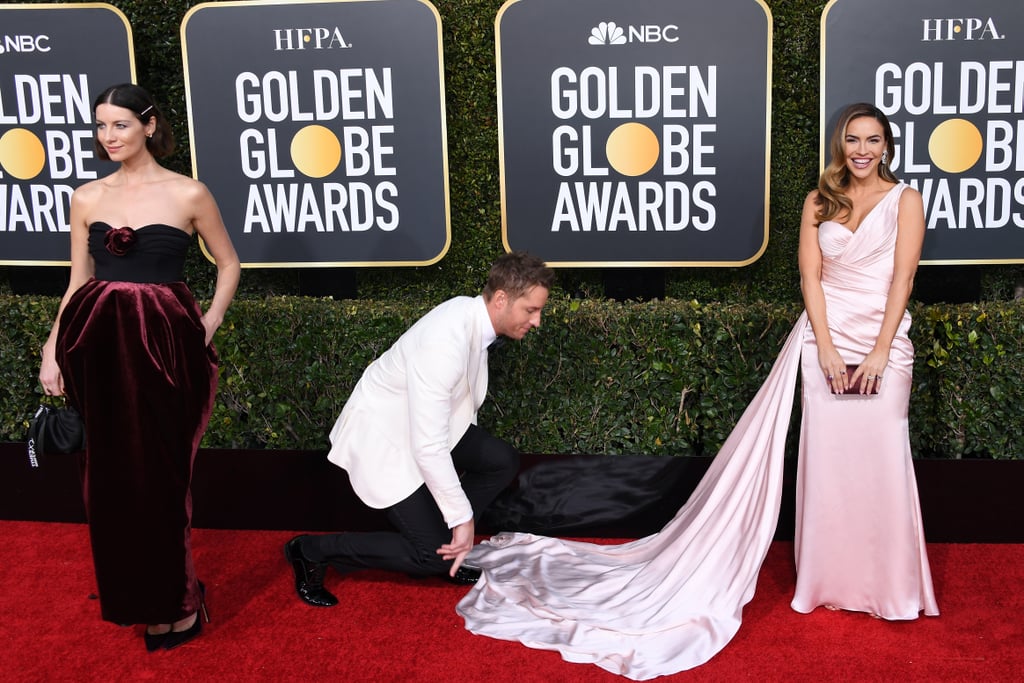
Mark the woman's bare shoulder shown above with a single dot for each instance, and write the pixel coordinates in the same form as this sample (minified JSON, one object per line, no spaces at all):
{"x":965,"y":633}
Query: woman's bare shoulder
{"x":88,"y":194}
{"x":185,"y":187}
{"x":812,"y":200}
{"x":910,"y":193}
{"x":89,"y":189}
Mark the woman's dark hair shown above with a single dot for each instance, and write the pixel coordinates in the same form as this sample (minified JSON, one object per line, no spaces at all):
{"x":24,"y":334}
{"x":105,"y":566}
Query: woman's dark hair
{"x":832,"y":199}
{"x":135,"y":98}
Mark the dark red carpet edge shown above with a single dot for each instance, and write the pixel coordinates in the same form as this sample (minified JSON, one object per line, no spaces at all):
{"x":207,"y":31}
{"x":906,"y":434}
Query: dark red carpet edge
{"x":390,"y":628}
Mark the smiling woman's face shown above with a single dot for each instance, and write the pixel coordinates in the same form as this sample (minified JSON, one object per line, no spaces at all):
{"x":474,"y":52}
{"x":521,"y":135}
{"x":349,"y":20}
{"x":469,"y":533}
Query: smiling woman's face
{"x":864,"y":144}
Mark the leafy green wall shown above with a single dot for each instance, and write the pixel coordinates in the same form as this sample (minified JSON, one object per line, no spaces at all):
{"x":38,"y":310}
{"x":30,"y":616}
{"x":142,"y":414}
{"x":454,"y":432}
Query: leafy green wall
{"x":668,"y":377}
{"x":602,"y":377}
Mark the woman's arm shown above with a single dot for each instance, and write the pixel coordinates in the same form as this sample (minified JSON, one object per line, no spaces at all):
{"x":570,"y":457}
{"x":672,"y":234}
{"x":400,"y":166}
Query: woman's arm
{"x":82,"y":268}
{"x":208,"y":223}
{"x":831,"y":363}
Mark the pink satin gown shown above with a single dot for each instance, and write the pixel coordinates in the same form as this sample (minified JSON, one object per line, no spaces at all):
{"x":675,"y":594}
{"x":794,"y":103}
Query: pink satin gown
{"x":672,"y":600}
{"x":859,"y":537}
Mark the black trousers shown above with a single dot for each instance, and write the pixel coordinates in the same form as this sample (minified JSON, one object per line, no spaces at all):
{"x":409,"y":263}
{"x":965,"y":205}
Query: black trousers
{"x":487,"y":465}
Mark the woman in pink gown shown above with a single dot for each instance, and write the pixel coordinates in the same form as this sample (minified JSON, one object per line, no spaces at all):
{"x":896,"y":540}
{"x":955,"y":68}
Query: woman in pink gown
{"x":672,"y":600}
{"x":859,"y":538}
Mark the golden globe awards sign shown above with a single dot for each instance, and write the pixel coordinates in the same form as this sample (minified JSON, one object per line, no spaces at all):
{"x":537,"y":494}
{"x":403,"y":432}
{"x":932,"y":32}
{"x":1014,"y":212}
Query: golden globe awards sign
{"x":635,"y":132}
{"x":949,"y":75}
{"x":319,"y":127}
{"x":54,"y":59}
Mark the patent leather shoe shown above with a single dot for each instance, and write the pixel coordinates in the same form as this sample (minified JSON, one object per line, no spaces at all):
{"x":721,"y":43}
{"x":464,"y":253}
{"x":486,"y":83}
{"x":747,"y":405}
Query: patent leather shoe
{"x":154,"y":641}
{"x":465,"y":576}
{"x":309,"y":576}
{"x":173,"y":639}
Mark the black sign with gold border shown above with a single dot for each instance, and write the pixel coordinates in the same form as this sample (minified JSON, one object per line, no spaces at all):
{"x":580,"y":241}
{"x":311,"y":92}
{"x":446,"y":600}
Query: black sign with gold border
{"x":949,"y":75}
{"x":320,"y":129}
{"x":54,"y":59}
{"x":635,"y":133}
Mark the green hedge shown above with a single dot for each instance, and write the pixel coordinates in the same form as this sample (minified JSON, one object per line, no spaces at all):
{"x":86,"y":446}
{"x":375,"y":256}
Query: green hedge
{"x":669,"y":377}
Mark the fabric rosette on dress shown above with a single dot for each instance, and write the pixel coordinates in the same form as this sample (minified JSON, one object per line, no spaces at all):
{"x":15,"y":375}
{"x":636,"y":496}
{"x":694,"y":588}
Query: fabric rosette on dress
{"x":119,"y":241}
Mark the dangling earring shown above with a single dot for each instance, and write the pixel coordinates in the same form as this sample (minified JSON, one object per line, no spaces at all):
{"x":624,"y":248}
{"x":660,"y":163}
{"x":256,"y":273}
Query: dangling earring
{"x":885,"y":157}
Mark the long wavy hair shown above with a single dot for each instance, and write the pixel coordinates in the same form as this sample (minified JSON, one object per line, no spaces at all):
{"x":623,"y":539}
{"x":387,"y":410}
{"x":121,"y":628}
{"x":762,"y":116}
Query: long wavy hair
{"x":832,"y":199}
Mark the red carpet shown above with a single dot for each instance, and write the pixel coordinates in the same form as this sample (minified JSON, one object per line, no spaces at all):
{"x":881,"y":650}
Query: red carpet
{"x":390,"y":628}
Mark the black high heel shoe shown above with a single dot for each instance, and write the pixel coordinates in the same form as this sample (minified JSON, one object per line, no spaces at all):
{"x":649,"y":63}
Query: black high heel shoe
{"x":154,"y":641}
{"x":173,"y":639}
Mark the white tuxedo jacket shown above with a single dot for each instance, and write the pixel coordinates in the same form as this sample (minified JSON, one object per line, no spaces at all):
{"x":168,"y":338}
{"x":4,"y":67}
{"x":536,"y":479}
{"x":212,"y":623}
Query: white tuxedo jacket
{"x":410,"y":408}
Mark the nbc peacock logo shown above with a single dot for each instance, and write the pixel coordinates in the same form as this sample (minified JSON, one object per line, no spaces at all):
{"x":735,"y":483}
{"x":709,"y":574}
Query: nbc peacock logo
{"x":607,"y":33}
{"x":610,"y":33}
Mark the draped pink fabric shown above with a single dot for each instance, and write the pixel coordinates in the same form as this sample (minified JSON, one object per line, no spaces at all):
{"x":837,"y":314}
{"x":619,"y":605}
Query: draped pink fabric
{"x":671,"y":601}
{"x":859,"y":536}
{"x":663,"y":603}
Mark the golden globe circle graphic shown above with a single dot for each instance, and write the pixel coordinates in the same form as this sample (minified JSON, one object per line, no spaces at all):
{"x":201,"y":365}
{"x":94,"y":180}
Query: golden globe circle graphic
{"x":955,"y":145}
{"x":21,"y":153}
{"x":316,"y":151}
{"x":632,"y":149}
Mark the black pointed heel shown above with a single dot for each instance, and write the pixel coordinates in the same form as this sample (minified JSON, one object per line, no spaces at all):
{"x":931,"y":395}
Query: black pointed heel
{"x":176,"y":638}
{"x":173,"y":639}
{"x":154,"y":641}
{"x":202,"y":602}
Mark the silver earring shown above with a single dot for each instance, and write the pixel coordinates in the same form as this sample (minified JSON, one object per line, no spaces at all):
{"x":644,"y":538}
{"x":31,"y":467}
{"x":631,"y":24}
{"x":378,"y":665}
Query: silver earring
{"x":885,"y":157}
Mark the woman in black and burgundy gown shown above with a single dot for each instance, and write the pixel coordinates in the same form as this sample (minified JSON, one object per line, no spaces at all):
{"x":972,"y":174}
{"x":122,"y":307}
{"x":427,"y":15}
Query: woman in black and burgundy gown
{"x":132,"y":351}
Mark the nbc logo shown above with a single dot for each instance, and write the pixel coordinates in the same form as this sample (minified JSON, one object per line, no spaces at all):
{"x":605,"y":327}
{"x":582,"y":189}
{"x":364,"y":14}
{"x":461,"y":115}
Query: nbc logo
{"x":610,"y":33}
{"x":24,"y":43}
{"x":607,"y":33}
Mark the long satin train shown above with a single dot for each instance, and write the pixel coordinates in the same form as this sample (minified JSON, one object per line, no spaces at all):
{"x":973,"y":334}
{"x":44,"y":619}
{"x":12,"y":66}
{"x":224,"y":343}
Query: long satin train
{"x":664,"y":603}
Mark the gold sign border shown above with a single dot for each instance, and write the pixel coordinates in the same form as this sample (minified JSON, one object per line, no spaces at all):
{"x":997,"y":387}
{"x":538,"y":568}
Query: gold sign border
{"x":822,"y":134}
{"x":131,"y":70}
{"x":444,"y":134}
{"x":643,"y":264}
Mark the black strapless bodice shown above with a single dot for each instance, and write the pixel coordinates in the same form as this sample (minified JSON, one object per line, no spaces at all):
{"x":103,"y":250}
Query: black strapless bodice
{"x":150,"y":254}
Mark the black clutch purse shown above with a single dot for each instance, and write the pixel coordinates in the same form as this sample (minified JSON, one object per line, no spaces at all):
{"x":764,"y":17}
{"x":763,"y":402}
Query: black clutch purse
{"x":54,"y":430}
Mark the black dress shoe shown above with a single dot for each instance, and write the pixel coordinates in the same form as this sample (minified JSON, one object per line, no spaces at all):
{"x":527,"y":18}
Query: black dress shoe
{"x":465,"y":576}
{"x":154,"y":641}
{"x":309,"y":576}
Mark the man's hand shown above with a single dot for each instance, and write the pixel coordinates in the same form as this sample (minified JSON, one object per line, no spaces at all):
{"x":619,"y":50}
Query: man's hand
{"x":461,"y":544}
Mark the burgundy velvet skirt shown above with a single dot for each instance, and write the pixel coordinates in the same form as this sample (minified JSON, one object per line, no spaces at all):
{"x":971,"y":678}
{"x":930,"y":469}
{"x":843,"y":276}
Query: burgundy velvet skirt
{"x":135,"y":363}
